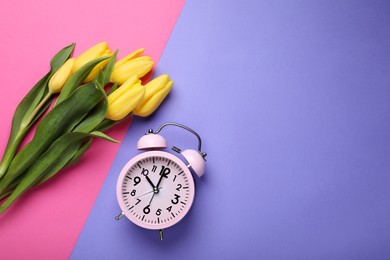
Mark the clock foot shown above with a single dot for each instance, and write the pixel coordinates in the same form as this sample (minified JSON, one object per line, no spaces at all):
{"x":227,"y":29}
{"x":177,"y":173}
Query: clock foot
{"x":119,"y":216}
{"x":161,"y":234}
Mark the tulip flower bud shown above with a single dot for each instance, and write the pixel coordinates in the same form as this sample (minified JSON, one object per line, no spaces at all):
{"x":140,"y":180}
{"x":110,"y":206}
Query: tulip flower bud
{"x":57,"y":81}
{"x":129,"y":67}
{"x":97,"y":51}
{"x":125,"y":99}
{"x":135,"y":54}
{"x":156,"y":91}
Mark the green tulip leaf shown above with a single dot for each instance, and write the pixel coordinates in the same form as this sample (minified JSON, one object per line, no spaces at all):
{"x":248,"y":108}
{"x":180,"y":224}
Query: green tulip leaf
{"x":113,"y":88}
{"x":99,"y":113}
{"x":41,"y":111}
{"x":34,"y":96}
{"x":5,"y":194}
{"x":60,"y":58}
{"x":31,"y":99}
{"x":104,"y":136}
{"x":10,"y":188}
{"x":108,"y":123}
{"x":75,"y":80}
{"x":56,"y":157}
{"x":104,"y":76}
{"x":77,"y":157}
{"x":105,"y":124}
{"x":56,"y":62}
{"x":20,"y":122}
{"x":60,"y":120}
{"x":94,"y":118}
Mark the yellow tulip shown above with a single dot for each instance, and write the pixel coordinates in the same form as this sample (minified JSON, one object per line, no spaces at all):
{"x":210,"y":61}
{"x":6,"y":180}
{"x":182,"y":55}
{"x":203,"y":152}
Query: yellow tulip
{"x":57,"y":81}
{"x":97,"y":51}
{"x":156,"y":91}
{"x":135,"y":54}
{"x":131,"y":65}
{"x":125,"y":99}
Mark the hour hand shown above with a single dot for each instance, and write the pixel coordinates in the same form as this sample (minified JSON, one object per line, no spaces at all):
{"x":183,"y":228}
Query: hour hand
{"x":150,"y":181}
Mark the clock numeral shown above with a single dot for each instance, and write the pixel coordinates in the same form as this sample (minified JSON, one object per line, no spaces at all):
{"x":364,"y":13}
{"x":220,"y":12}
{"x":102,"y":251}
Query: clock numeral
{"x":174,"y":178}
{"x":158,"y":212}
{"x":165,"y":171}
{"x":138,"y":201}
{"x":179,"y":186}
{"x":137,"y":180}
{"x":154,"y":169}
{"x":176,"y":199}
{"x":133,"y":192}
{"x":145,"y":172}
{"x":147,"y":209}
{"x":169,"y":208}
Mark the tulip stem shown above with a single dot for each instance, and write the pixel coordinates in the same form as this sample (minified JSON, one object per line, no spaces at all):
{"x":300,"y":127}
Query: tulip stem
{"x":26,"y":123}
{"x":10,"y":153}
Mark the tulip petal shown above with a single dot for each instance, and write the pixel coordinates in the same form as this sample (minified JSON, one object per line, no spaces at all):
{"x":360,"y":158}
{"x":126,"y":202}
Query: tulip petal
{"x":94,"y":52}
{"x":147,"y":107}
{"x":126,"y":103}
{"x":103,"y":78}
{"x":122,"y":89}
{"x":95,"y":71}
{"x":59,"y":78}
{"x":156,"y":85}
{"x":138,"y":67}
{"x":74,"y":81}
{"x":132,"y":55}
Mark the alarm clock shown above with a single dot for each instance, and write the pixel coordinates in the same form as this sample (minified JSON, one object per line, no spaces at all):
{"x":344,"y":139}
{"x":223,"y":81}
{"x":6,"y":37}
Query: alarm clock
{"x":155,"y":189}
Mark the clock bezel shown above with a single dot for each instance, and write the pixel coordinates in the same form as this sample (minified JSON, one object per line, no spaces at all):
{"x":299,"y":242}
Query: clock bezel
{"x":134,"y":161}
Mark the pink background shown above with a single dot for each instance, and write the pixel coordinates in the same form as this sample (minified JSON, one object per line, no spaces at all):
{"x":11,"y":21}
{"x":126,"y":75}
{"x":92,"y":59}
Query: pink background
{"x":45,"y":223}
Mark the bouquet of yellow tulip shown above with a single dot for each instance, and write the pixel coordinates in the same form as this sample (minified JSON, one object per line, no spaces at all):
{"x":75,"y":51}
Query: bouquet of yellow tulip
{"x":94,"y":93}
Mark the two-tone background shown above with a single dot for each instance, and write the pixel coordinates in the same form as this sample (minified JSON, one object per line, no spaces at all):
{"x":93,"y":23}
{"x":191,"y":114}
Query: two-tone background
{"x":291,"y":99}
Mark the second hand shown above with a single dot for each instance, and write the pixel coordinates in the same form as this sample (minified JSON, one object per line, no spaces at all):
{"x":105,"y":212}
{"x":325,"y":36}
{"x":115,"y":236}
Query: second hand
{"x":146,"y":193}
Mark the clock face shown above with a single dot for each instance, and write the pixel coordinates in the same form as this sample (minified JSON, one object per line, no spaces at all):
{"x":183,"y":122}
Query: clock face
{"x":155,"y":190}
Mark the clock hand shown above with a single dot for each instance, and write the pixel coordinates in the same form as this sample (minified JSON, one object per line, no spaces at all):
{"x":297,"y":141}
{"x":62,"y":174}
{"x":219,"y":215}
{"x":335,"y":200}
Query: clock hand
{"x":147,"y":193}
{"x":150,"y":181}
{"x":152,"y":198}
{"x":158,"y":184}
{"x":164,"y":172}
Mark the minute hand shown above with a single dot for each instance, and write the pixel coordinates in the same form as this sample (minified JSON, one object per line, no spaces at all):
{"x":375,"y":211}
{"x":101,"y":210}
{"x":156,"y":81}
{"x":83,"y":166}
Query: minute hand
{"x":164,"y":173}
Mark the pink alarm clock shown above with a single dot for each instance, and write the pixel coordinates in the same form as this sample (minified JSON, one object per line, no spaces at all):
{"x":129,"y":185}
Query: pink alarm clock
{"x":155,"y":189}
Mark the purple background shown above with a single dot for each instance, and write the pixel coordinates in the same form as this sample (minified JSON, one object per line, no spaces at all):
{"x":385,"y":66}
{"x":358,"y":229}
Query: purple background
{"x":291,"y":99}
